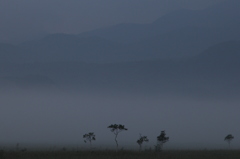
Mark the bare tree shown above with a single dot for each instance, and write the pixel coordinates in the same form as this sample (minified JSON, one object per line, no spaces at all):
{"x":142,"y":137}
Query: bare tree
{"x":229,"y":138}
{"x":116,"y":129}
{"x":161,"y":139}
{"x":89,"y":138}
{"x":141,"y":140}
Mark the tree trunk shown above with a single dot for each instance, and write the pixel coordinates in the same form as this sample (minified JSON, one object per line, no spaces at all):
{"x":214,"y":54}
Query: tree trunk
{"x":90,"y":145}
{"x":116,"y":142}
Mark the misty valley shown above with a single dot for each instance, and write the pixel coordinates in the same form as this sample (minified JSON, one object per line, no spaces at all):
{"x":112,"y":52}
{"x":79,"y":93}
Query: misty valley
{"x":178,"y":74}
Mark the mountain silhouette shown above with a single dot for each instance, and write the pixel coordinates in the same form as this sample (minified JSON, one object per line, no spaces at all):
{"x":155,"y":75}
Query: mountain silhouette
{"x":214,"y":72}
{"x":179,"y":34}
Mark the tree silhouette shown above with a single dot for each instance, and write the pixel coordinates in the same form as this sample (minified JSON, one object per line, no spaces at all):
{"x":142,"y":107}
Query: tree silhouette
{"x":229,"y":138}
{"x":161,"y":139}
{"x":116,"y":129}
{"x":89,"y":138}
{"x":141,"y":140}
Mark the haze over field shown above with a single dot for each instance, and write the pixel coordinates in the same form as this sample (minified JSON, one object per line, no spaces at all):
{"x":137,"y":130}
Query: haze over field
{"x":72,"y":67}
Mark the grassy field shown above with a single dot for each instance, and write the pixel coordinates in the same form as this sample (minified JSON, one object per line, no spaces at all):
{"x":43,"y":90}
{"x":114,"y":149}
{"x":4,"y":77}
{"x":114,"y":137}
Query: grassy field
{"x":204,"y":154}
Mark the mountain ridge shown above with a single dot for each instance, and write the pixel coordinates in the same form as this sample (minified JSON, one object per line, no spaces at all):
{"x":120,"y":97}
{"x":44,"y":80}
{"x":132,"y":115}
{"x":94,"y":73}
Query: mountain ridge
{"x":179,"y":34}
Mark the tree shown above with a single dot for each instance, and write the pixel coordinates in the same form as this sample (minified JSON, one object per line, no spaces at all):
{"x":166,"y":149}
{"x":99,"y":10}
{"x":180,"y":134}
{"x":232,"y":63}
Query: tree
{"x":116,"y":129}
{"x":141,"y":140}
{"x":229,"y":138}
{"x":89,"y":138}
{"x":161,"y":139}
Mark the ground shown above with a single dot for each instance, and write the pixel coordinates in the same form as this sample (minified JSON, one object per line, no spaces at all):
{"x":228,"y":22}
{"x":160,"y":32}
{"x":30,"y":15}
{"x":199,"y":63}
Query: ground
{"x":168,"y":154}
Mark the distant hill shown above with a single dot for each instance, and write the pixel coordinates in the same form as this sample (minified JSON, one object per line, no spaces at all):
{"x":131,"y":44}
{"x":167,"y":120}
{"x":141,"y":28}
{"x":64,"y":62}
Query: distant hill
{"x":64,"y":47}
{"x":180,"y":34}
{"x":10,"y":53}
{"x":177,"y":34}
{"x":215,"y":72}
{"x":224,"y":15}
{"x":223,"y":52}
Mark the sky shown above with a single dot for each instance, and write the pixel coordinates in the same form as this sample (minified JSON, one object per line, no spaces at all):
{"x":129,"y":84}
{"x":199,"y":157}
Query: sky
{"x":26,"y":19}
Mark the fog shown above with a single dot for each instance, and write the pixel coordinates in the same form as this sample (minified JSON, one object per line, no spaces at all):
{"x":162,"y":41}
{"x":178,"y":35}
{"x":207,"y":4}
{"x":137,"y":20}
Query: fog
{"x":55,"y":119}
{"x":72,"y":67}
{"x":29,"y":19}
